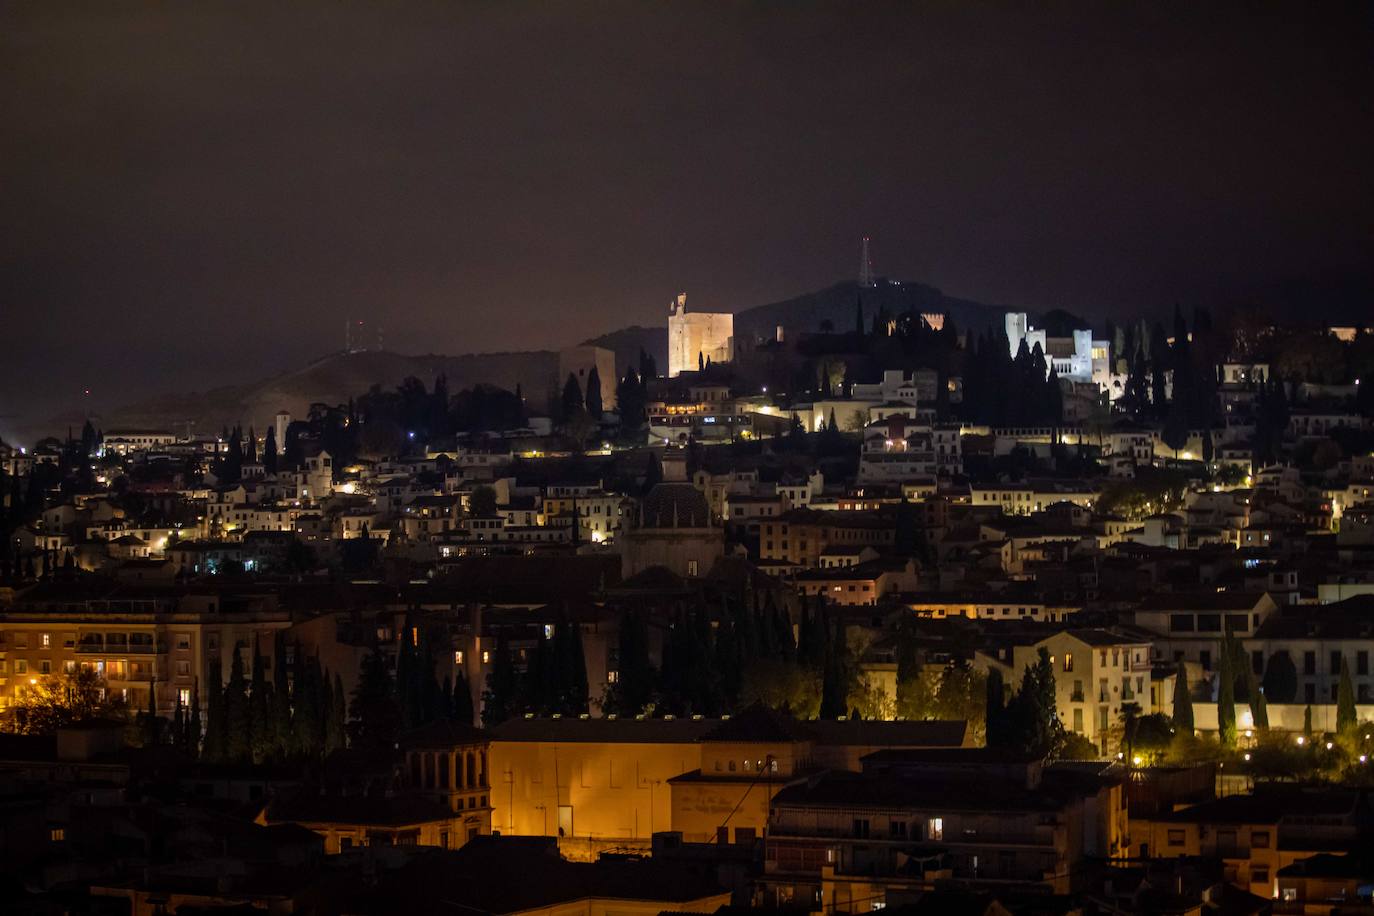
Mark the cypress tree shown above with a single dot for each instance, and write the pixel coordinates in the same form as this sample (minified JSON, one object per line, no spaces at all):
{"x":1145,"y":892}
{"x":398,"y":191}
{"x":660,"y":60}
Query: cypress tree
{"x":1226,"y":700}
{"x":498,"y":700}
{"x":264,"y":738}
{"x":373,"y":714}
{"x":269,"y":451}
{"x":834,"y":681}
{"x":280,"y":715}
{"x":216,"y":725}
{"x":1346,"y":715}
{"x":151,"y":731}
{"x":338,"y":732}
{"x":1183,"y":700}
{"x":593,"y":399}
{"x":179,"y":725}
{"x":461,"y":703}
{"x":193,"y":724}
{"x":634,"y":686}
{"x":239,"y":725}
{"x":1259,"y":704}
{"x":572,"y":397}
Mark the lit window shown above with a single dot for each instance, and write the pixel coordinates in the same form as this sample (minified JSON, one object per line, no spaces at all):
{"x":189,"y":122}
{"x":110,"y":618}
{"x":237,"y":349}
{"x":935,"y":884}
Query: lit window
{"x":486,"y":656}
{"x":458,"y":657}
{"x":935,"y":828}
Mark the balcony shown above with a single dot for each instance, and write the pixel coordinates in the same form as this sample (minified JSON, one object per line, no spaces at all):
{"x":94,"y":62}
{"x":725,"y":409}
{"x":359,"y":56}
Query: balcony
{"x":1076,"y":697}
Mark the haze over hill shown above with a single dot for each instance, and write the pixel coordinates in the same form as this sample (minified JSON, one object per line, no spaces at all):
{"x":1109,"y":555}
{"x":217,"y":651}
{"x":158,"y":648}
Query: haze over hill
{"x":333,"y":379}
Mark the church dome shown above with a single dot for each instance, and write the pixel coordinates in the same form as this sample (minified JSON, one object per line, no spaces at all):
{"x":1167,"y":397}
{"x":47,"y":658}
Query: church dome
{"x":674,"y":505}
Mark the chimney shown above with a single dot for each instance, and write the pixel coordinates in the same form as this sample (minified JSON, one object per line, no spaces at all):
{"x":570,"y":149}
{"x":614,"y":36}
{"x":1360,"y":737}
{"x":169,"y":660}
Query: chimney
{"x":674,"y":466}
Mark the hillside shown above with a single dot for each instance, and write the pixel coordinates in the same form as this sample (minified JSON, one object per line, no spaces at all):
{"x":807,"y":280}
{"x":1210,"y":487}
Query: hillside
{"x":806,"y":313}
{"x":335,"y":378}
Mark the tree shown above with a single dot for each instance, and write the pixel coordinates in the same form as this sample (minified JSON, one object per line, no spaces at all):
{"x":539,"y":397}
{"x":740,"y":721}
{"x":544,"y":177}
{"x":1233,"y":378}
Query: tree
{"x":269,"y":451}
{"x":1030,"y":723}
{"x":237,"y":716}
{"x":57,"y":700}
{"x":1346,"y":715}
{"x":461,"y":703}
{"x":630,"y":400}
{"x":594,"y":394}
{"x":1151,"y":736}
{"x":632,"y":693}
{"x":1175,"y":431}
{"x":1226,"y":699}
{"x":1259,"y":704}
{"x":336,"y":728}
{"x":482,"y":502}
{"x":264,"y":736}
{"x":572,"y":402}
{"x":216,"y":730}
{"x":1280,"y":678}
{"x":1183,"y":700}
{"x":193,"y":724}
{"x":1128,"y":716}
{"x":373,"y":715}
{"x":499,"y":697}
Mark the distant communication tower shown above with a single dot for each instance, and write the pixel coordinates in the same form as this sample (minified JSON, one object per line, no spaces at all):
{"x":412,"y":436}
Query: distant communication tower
{"x":866,"y":267}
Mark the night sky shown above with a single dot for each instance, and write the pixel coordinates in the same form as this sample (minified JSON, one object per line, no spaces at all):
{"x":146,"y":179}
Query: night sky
{"x":196,"y":194}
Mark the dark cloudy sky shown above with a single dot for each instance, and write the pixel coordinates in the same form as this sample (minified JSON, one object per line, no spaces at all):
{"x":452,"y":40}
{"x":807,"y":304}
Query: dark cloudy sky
{"x":197,"y":193}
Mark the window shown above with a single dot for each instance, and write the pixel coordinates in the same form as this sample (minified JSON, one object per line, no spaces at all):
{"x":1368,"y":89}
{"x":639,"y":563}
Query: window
{"x":691,"y":567}
{"x":1335,"y":662}
{"x":1181,"y":623}
{"x":45,"y":667}
{"x":45,"y":640}
{"x":184,"y":696}
{"x":897,"y":830}
{"x":183,"y":668}
{"x":21,"y":666}
{"x":860,"y":830}
{"x":1068,"y":661}
{"x":183,"y":640}
{"x":1259,"y":839}
{"x":935,"y":828}
{"x":1309,"y":663}
{"x":57,"y":834}
{"x":1209,"y":623}
{"x":1259,"y":874}
{"x":1362,"y":662}
{"x":1175,"y":837}
{"x":1288,"y":894}
{"x":486,"y":656}
{"x":458,"y":657}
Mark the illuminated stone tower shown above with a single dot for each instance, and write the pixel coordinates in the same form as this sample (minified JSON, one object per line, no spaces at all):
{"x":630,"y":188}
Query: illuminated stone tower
{"x":694,"y":337}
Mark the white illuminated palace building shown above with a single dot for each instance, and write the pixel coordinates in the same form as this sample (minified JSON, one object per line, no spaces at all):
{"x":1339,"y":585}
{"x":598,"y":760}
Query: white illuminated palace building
{"x":1078,"y":358}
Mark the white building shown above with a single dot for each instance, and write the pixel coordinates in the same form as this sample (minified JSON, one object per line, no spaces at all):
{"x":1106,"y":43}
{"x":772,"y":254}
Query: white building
{"x":1078,"y":358}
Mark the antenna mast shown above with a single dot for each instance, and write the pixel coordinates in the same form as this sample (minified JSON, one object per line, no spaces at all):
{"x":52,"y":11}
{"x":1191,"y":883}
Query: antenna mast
{"x":866,"y":267}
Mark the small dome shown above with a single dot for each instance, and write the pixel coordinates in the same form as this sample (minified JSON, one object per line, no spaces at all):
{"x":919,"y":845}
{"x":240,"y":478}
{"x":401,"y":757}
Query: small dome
{"x":674,"y":505}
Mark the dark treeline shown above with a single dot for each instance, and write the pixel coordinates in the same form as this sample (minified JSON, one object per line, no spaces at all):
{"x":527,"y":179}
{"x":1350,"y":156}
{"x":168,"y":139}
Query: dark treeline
{"x":294,"y":714}
{"x":750,"y":655}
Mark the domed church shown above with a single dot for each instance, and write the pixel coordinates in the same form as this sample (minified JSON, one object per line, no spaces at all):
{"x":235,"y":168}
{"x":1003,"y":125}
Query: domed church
{"x":671,"y":527}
